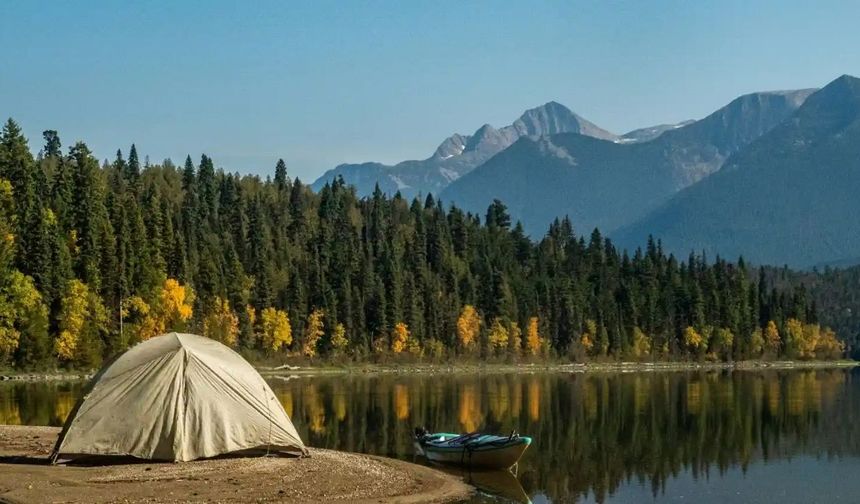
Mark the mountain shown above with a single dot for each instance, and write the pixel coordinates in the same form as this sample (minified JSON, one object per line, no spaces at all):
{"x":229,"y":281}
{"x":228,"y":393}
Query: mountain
{"x":790,"y":197}
{"x":651,"y":132}
{"x":553,"y":118}
{"x":609,"y":184}
{"x":459,"y":154}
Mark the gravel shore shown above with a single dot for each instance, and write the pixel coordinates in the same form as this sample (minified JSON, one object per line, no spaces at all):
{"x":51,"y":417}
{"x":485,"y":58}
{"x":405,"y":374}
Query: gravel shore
{"x":325,"y":476}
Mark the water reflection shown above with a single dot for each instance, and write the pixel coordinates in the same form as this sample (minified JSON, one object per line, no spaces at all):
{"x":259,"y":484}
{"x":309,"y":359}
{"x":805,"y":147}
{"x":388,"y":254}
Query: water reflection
{"x":595,"y":435}
{"x":37,"y":403}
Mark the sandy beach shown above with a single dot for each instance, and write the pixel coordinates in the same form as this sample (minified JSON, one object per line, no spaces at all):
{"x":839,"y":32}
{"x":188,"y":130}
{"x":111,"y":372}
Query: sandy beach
{"x":325,"y":476}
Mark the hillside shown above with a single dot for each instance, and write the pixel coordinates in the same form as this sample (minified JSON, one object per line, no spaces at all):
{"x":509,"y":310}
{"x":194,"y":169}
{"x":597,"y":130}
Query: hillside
{"x":790,"y":197}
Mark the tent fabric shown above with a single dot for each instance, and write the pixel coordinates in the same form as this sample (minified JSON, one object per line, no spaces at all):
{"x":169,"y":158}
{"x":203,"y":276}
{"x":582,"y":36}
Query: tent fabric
{"x":177,"y":397}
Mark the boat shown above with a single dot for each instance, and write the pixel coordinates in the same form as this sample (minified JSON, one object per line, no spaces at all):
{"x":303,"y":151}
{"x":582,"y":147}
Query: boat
{"x":473,"y":450}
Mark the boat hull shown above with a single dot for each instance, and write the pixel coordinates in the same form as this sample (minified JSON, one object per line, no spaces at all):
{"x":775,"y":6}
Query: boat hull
{"x":500,"y":456}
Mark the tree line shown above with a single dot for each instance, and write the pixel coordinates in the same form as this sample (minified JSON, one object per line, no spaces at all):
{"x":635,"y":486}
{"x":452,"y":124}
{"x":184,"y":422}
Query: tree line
{"x":836,"y":292}
{"x":95,"y":257}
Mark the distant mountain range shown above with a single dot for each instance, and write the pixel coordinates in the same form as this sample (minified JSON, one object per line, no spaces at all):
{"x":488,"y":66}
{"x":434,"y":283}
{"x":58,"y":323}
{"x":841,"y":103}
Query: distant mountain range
{"x":459,"y":154}
{"x":772,"y":176}
{"x":791,"y":197}
{"x":608,"y":184}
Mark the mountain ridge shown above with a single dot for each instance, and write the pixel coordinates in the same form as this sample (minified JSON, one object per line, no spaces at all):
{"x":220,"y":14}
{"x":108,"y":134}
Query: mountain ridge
{"x":607,"y":184}
{"x":458,"y":154}
{"x":787,"y":198}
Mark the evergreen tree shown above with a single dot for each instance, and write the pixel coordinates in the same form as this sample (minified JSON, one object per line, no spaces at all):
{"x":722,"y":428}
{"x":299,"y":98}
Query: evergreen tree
{"x":84,"y":242}
{"x":89,"y":215}
{"x":281,"y":175}
{"x":132,"y":170}
{"x":53,"y":145}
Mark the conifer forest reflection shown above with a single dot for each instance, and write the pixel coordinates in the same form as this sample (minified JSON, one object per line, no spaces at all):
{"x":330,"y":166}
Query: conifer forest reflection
{"x":597,"y":437}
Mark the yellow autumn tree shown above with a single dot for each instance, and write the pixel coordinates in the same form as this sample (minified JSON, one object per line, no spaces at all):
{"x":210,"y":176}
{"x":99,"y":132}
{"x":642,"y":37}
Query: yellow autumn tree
{"x":756,"y":342}
{"x":533,"y":339}
{"x":399,"y":337}
{"x":168,"y":310}
{"x":498,"y":336}
{"x":772,"y":340}
{"x":808,"y":341}
{"x":314,"y":330}
{"x":9,"y":336}
{"x":694,"y":340}
{"x":338,"y":339}
{"x":251,"y":313}
{"x":82,"y":317}
{"x":468,"y":327}
{"x":793,"y":337}
{"x":220,"y":323}
{"x":19,"y":302}
{"x":276,"y":330}
{"x":641,"y":345}
{"x":829,"y":347}
{"x":72,"y":318}
{"x":140,"y":323}
{"x":589,"y":335}
{"x":175,"y":305}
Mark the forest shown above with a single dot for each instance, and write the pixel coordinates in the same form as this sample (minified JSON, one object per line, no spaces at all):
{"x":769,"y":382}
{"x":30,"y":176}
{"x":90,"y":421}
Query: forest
{"x":97,"y":256}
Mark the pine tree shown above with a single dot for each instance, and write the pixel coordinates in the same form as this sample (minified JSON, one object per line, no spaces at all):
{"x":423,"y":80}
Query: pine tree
{"x":18,"y":168}
{"x":166,"y":248}
{"x":259,"y":256}
{"x":89,"y":215}
{"x":53,"y":145}
{"x":207,"y":187}
{"x":132,"y":170}
{"x":281,"y":175}
{"x":497,"y":215}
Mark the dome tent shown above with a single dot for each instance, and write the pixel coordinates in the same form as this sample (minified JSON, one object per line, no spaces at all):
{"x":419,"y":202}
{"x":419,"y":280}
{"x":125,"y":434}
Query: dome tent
{"x":177,"y":397}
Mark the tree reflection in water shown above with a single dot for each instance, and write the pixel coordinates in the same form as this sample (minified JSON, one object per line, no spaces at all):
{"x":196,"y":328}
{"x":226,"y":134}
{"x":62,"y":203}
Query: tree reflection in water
{"x":592,"y":432}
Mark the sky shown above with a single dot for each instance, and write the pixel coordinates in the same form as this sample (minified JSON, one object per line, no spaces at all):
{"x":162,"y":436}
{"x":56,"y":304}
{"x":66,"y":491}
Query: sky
{"x":320,"y":83}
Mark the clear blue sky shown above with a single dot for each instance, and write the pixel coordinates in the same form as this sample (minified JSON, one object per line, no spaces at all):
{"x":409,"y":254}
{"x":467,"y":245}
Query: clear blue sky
{"x":319,"y":83}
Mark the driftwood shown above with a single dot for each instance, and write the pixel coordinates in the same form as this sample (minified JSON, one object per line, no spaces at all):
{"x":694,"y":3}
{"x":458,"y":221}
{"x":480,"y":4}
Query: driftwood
{"x":286,"y":366}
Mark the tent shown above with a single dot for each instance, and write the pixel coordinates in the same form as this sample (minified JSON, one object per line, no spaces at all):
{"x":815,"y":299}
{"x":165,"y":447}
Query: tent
{"x":177,"y":397}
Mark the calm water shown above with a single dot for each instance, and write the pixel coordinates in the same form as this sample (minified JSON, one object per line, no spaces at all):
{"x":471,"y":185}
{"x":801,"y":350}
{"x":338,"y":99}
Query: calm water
{"x":710,"y":437}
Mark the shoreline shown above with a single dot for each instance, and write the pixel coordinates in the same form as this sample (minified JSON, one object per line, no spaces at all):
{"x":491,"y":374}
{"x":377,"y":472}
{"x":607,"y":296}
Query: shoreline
{"x":580,"y":368}
{"x":483,"y":368}
{"x":325,"y":476}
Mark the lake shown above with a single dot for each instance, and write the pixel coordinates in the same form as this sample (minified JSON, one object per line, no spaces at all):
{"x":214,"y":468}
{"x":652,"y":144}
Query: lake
{"x":705,"y":437}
